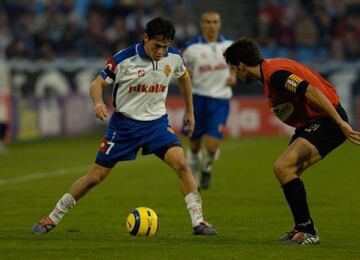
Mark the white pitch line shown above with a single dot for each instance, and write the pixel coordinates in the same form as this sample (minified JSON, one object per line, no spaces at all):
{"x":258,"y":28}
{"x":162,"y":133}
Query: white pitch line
{"x":67,"y":171}
{"x":59,"y":172}
{"x":41,"y":175}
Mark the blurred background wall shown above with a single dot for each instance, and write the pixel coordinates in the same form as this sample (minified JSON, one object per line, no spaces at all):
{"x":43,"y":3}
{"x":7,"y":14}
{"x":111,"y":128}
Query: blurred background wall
{"x":51,"y":50}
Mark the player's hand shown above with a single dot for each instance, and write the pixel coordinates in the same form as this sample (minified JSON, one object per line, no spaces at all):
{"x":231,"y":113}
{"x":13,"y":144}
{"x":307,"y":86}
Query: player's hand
{"x":100,"y":111}
{"x":231,"y":80}
{"x":350,"y":134}
{"x":189,"y":123}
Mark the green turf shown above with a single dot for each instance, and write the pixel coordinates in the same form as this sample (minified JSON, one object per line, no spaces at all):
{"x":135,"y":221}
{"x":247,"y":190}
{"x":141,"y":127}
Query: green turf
{"x":245,"y":204}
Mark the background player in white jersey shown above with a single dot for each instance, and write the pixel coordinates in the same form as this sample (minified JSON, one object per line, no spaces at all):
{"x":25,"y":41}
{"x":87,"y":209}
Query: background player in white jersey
{"x":212,"y":83}
{"x":141,"y":75}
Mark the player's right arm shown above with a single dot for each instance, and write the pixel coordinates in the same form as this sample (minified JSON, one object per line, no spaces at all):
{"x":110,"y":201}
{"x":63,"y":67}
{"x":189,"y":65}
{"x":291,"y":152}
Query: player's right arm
{"x":96,"y":89}
{"x":107,"y":76}
{"x":286,"y":80}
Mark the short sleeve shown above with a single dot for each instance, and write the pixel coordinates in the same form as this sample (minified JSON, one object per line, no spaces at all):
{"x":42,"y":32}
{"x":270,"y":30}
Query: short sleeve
{"x":180,"y":68}
{"x":285,"y":80}
{"x":108,"y":73}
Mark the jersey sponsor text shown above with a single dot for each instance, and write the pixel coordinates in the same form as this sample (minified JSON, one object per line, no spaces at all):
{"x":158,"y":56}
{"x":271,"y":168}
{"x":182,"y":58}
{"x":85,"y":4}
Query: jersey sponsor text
{"x":142,"y":88}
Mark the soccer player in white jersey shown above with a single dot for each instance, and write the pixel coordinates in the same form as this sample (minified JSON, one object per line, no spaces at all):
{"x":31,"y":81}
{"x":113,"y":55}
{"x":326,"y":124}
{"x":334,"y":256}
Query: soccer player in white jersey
{"x":212,"y":91}
{"x":141,"y":75}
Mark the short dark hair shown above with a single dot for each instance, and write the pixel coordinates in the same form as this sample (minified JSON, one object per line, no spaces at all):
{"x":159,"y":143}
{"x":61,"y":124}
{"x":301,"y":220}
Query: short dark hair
{"x":160,"y":26}
{"x":244,"y":50}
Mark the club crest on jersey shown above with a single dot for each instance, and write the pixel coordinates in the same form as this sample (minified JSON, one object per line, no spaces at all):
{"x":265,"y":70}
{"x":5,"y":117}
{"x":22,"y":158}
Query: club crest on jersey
{"x":167,"y":70}
{"x":141,"y":73}
{"x":283,"y":111}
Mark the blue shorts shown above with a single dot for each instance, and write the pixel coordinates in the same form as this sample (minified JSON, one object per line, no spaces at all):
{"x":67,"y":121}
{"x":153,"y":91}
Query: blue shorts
{"x":124,"y":137}
{"x":210,"y":116}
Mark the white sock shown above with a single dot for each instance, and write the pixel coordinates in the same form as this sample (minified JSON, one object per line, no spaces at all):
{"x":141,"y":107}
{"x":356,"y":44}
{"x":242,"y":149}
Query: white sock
{"x":193,"y":204}
{"x":208,"y":160}
{"x":64,"y":204}
{"x":194,"y":160}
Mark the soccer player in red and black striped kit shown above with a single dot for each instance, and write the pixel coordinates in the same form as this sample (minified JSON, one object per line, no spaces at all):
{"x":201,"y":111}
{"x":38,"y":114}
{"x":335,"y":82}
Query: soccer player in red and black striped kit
{"x":301,"y":98}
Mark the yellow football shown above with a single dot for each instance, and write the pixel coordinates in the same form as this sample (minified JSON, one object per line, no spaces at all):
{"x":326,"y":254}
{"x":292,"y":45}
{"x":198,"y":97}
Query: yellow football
{"x":142,"y":221}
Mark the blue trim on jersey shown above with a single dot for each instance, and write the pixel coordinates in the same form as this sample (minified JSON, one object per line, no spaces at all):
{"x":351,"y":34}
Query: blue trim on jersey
{"x":228,"y":38}
{"x":103,"y":74}
{"x":141,"y":51}
{"x":220,"y":38}
{"x":124,"y":54}
{"x":119,"y":57}
{"x":191,"y":42}
{"x":173,"y":51}
{"x":201,"y":39}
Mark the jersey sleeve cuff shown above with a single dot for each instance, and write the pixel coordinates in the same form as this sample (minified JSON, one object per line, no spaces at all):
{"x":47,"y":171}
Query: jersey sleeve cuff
{"x":106,"y":77}
{"x":185,"y":75}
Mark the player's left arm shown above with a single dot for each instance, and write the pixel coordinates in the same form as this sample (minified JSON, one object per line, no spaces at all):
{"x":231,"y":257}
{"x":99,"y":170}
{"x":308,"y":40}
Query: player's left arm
{"x":186,"y":90}
{"x":317,"y":99}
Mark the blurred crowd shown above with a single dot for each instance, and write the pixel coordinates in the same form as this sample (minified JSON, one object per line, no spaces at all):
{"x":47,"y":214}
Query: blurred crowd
{"x":310,"y":30}
{"x":49,"y":29}
{"x":306,"y":30}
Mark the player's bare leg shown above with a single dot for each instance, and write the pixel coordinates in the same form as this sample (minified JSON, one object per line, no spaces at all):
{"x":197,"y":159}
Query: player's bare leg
{"x":193,"y":156}
{"x":82,"y":185}
{"x":289,"y":166}
{"x":77,"y":190}
{"x":296,"y":158}
{"x":211,"y":154}
{"x":175,"y":158}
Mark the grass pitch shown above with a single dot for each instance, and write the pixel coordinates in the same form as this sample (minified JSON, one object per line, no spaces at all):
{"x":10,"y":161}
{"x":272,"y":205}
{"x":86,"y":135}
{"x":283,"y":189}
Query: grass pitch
{"x":245,"y":204}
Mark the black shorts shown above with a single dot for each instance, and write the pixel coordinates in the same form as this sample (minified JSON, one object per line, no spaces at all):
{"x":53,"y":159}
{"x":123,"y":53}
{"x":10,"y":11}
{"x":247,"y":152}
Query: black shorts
{"x":323,"y":133}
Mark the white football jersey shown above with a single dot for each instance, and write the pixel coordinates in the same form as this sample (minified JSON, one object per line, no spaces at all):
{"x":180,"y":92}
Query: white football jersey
{"x":208,"y":67}
{"x":141,"y":84}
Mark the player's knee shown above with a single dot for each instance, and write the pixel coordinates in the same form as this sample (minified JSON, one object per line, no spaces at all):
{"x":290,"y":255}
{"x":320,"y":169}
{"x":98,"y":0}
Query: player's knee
{"x":212,"y":150}
{"x":181,"y":166}
{"x":279,"y":168}
{"x":94,"y":178}
{"x":283,"y":171}
{"x":195,"y":146}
